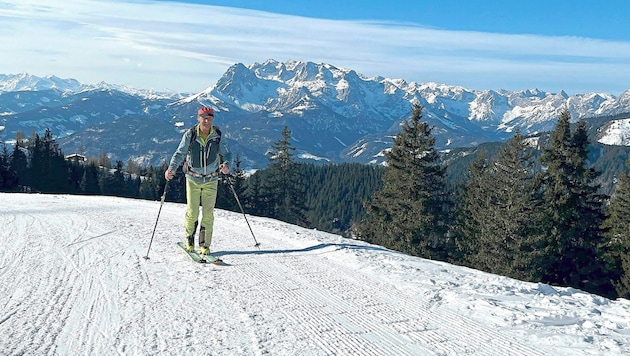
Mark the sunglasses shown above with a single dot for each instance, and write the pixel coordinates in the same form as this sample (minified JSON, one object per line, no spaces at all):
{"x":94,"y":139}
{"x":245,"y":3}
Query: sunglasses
{"x":206,"y":116}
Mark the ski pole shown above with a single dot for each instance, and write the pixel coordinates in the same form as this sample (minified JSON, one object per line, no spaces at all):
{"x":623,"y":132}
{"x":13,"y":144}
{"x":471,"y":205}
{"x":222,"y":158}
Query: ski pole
{"x":156,"y":220}
{"x":238,"y":201}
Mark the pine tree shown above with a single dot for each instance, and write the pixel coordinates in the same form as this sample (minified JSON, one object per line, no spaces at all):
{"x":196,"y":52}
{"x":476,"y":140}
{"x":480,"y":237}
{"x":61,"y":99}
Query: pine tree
{"x":8,"y":178}
{"x":89,"y":180}
{"x":335,"y":194}
{"x":499,"y":221}
{"x":177,"y":184}
{"x":258,"y":198}
{"x":75,"y":174}
{"x":118,"y":181}
{"x":574,"y":212}
{"x":149,"y":186}
{"x":132,"y":186}
{"x":37,"y":163}
{"x":618,"y":224}
{"x":410,"y":212}
{"x":19,"y":165}
{"x":4,"y":167}
{"x":284,"y":180}
{"x":106,"y":182}
{"x":471,"y":205}
{"x":48,"y":168}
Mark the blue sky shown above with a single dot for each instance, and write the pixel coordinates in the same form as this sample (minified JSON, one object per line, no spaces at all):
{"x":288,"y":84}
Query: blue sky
{"x":578,"y":46}
{"x":584,"y":18}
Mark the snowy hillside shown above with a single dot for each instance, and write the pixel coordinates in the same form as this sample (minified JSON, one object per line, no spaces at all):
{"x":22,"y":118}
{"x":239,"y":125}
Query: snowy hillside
{"x":616,"y":132}
{"x":73,"y":280}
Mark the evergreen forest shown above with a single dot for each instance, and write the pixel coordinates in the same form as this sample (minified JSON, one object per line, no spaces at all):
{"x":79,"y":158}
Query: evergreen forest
{"x":535,"y":212}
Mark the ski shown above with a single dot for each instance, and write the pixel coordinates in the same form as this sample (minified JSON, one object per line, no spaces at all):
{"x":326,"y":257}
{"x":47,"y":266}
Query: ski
{"x":213,"y":259}
{"x":196,"y":257}
{"x":192,"y":254}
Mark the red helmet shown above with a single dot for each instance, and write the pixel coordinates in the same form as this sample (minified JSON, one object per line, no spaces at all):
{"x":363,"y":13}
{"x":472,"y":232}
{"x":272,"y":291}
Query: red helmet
{"x":206,"y":111}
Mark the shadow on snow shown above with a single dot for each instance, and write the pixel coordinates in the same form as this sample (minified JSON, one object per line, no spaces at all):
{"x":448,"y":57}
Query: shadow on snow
{"x":320,"y":247}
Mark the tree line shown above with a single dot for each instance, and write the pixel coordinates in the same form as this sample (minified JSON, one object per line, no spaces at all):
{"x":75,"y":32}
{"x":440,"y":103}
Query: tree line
{"x":529,"y":212}
{"x":539,"y":218}
{"x":328,"y":198}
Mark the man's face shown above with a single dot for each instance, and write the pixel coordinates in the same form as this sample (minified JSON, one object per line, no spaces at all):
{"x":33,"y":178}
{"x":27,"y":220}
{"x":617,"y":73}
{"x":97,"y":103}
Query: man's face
{"x":205,"y":120}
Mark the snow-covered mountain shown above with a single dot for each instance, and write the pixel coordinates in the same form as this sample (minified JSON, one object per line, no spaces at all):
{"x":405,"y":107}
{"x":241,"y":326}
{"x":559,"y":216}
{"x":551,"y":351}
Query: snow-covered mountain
{"x":335,"y":114}
{"x":74,"y":281}
{"x":26,"y":82}
{"x":615,"y":133}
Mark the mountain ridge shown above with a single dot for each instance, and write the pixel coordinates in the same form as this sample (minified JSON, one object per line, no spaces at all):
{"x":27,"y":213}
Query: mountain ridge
{"x":335,"y":114}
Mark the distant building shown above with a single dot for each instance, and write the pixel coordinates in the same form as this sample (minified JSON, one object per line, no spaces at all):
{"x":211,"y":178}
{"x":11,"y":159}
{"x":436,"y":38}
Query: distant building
{"x":76,"y":158}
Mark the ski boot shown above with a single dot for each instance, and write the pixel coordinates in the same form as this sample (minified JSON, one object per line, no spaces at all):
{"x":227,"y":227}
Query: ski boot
{"x":190,"y":243}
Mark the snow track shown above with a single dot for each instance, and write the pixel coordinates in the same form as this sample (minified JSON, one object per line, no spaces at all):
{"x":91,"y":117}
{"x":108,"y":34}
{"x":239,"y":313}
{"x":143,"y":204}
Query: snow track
{"x":332,"y":309}
{"x":73,"y":280}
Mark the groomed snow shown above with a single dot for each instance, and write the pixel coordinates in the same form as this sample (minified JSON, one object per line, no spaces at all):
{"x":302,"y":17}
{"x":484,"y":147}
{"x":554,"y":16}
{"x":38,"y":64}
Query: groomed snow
{"x":73,"y":281}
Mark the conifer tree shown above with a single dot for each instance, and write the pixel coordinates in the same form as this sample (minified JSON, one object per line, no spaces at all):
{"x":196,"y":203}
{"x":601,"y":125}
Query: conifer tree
{"x":4,"y":167}
{"x":470,"y":210}
{"x":177,"y":184}
{"x":618,"y":224}
{"x":238,"y":172}
{"x":75,"y":174}
{"x":258,"y":198}
{"x":335,"y":194}
{"x":106,"y":182}
{"x":8,"y":179}
{"x":149,"y":187}
{"x":19,"y":165}
{"x":284,"y":180}
{"x":410,"y":212}
{"x":112,"y":181}
{"x":574,"y":212}
{"x":118,"y":187}
{"x":89,"y":180}
{"x":499,"y":223}
{"x":132,"y":186}
{"x":48,"y":168}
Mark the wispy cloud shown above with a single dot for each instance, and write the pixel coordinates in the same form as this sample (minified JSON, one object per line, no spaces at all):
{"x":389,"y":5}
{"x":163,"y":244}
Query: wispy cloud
{"x":185,"y":47}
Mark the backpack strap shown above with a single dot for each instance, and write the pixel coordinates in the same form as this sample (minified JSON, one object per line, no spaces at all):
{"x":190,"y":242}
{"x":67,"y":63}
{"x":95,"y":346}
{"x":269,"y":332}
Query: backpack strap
{"x":193,"y":135}
{"x":193,"y":139}
{"x":218,"y":131}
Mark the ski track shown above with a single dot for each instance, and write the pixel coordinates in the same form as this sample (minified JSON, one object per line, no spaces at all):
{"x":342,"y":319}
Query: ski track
{"x":327,"y":317}
{"x":83,"y":287}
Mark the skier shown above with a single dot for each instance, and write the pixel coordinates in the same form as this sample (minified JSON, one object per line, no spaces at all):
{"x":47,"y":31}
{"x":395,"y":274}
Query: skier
{"x":204,"y":155}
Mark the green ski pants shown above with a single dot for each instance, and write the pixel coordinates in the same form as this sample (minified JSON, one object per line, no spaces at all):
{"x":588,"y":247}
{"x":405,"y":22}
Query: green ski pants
{"x":206,"y":195}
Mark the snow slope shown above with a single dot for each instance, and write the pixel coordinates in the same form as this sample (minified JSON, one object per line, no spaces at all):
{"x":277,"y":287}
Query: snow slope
{"x":73,"y":280}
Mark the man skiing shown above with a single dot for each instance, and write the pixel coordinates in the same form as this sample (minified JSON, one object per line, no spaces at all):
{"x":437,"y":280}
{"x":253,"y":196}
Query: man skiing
{"x":204,"y":155}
